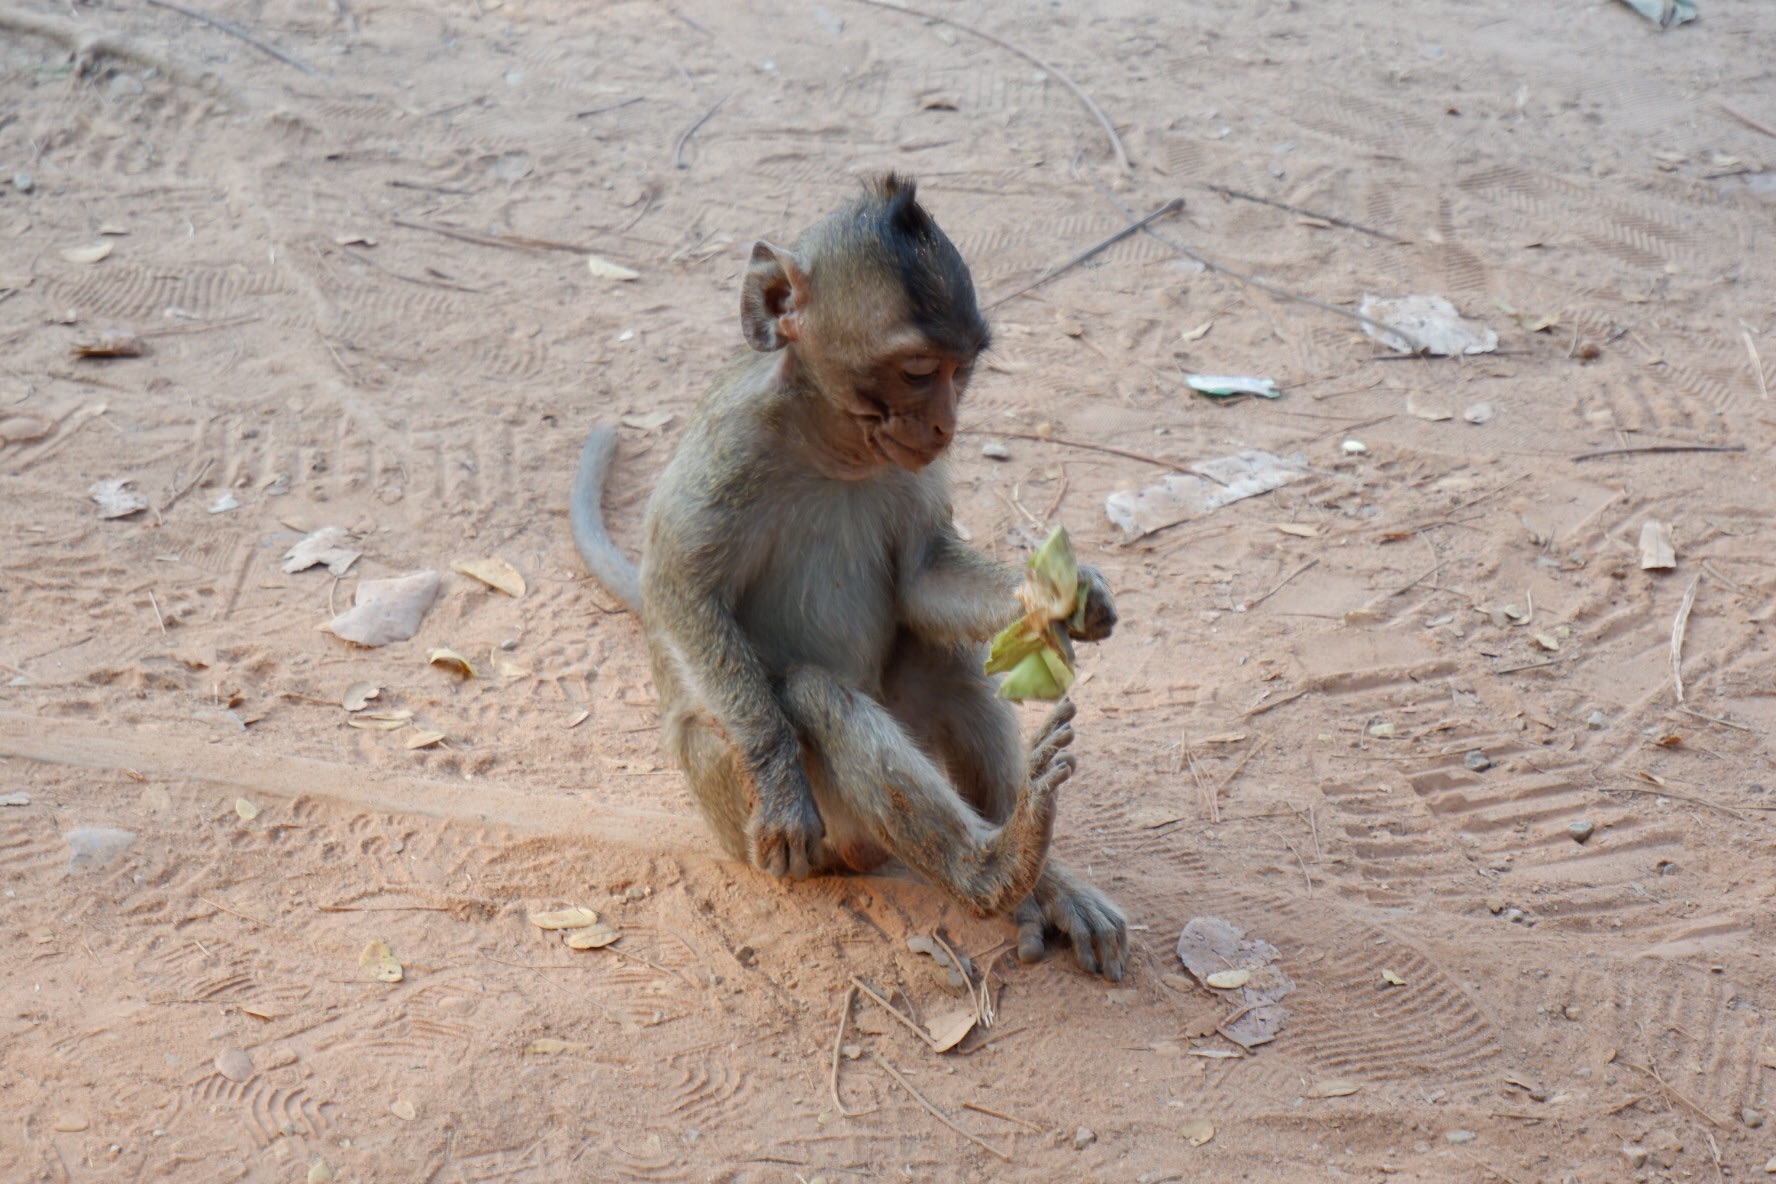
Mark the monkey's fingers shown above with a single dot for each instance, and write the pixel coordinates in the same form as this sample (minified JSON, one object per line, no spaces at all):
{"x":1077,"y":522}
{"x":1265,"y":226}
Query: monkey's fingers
{"x":786,"y":850}
{"x":1031,"y":925}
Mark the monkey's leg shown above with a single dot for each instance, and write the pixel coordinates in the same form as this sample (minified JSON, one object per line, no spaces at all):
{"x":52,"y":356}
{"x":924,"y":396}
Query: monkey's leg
{"x":863,"y":762}
{"x":975,"y":733}
{"x":717,"y":779}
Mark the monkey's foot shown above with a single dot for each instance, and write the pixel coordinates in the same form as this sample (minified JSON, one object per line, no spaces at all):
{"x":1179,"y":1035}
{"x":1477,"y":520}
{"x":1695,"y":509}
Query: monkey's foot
{"x":787,"y":841}
{"x":1065,"y":905}
{"x":1055,"y":734}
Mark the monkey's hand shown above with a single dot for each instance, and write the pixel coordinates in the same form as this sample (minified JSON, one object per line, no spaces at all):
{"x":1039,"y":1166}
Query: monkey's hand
{"x":1099,"y":617}
{"x":785,"y":833}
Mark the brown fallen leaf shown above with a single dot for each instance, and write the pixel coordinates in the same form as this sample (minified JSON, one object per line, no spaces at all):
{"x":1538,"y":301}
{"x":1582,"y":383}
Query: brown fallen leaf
{"x":1656,"y":550}
{"x":947,"y":1030}
{"x":593,"y":937}
{"x":574,"y":918}
{"x":549,"y":1046}
{"x":116,"y":499}
{"x":604,"y":269}
{"x":1392,"y":979}
{"x":247,"y":810}
{"x":92,"y":254}
{"x":1333,"y":1087}
{"x":449,"y":659}
{"x":385,"y":611}
{"x":403,"y":1109}
{"x":422,"y":739}
{"x":578,"y":718}
{"x":358,"y":695}
{"x":1197,"y":1131}
{"x":1228,"y":980}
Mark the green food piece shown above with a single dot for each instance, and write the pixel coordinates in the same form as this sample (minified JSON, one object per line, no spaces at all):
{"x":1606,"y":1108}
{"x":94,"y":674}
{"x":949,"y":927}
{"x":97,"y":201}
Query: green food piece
{"x":1034,"y":652}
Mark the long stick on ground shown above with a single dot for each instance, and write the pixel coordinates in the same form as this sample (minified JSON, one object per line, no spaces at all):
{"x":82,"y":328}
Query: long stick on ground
{"x":1283,"y":205}
{"x":684,"y":137}
{"x":838,"y":1042}
{"x":934,"y":1111}
{"x":1644,"y":448}
{"x":912,"y":1027}
{"x":1110,"y":449}
{"x":1678,"y":626}
{"x":1122,"y":156}
{"x":87,"y":43}
{"x":234,"y":30}
{"x":1176,"y":204}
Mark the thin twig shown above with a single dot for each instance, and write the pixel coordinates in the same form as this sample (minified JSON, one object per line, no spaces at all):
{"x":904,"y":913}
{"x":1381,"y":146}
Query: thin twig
{"x":1283,"y":205}
{"x":1678,"y":626}
{"x":912,"y":1027}
{"x":982,"y":1006}
{"x":1715,"y":719}
{"x":684,"y":137}
{"x":202,"y":471}
{"x":1309,"y":565}
{"x":511,"y":242}
{"x":158,"y":619}
{"x":401,"y":275}
{"x":1662,"y":792}
{"x":838,"y":1041}
{"x":234,"y":30}
{"x":1274,"y":703}
{"x":1757,"y":363}
{"x":1133,"y":228}
{"x":996,"y":1036}
{"x":1673,"y":1091}
{"x":1659,"y":448}
{"x":933,"y":1110}
{"x":1250,"y":753}
{"x":1530,"y":666}
{"x":1143,"y":457}
{"x":1116,"y":146}
{"x":979,"y":1109}
{"x":1415,"y":583}
{"x":1747,"y":120}
{"x":243,"y":916}
{"x":1716,"y":573}
{"x":612,"y":107}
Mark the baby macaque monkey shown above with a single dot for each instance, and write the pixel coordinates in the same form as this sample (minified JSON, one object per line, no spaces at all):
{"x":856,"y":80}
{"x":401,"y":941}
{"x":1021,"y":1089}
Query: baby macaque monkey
{"x":816,"y":626}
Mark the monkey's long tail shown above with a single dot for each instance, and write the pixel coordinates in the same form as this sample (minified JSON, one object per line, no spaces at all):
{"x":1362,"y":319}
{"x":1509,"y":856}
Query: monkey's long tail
{"x":584,"y":509}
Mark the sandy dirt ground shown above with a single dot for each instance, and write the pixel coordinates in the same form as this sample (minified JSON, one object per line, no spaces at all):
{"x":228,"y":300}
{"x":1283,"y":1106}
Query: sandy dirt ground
{"x":361,"y":287}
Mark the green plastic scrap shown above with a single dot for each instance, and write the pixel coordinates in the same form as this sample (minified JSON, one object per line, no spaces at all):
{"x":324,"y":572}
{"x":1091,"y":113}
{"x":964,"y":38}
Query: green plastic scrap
{"x":1665,"y":13}
{"x":1034,"y":652}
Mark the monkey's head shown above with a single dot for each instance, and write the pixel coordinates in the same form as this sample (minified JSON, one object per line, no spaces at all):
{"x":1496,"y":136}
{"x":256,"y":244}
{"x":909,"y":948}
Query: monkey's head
{"x":877,"y":309}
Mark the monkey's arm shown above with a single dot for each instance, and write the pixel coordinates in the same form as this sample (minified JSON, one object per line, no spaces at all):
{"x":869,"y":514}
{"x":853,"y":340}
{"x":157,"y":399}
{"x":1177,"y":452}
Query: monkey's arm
{"x":721,"y":671}
{"x":956,"y":595}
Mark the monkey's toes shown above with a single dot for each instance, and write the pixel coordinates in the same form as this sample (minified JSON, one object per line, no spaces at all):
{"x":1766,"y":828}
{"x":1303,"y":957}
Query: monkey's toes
{"x":792,"y":851}
{"x":1085,"y":917}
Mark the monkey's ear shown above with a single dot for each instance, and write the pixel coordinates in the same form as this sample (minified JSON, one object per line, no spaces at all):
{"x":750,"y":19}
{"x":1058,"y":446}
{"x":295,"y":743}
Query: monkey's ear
{"x":771,"y":298}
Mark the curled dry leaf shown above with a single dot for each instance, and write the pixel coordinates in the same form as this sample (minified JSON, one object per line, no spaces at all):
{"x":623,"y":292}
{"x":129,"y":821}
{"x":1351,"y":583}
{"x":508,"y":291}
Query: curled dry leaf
{"x":91,"y":254}
{"x":1300,"y":530}
{"x":110,"y":343}
{"x":329,"y":545}
{"x":320,"y":1172}
{"x":247,"y":810}
{"x":495,"y":573}
{"x":1392,"y":979}
{"x":403,"y":1109}
{"x":449,"y":659}
{"x":422,"y":739}
{"x":1333,"y":1087}
{"x":604,"y":269}
{"x":653,"y":421}
{"x":116,"y":499}
{"x":578,"y":718}
{"x":574,"y":918}
{"x":1197,"y":1131}
{"x":378,"y":961}
{"x":380,"y":721}
{"x":593,"y":937}
{"x":1228,"y":980}
{"x":947,"y":1030}
{"x":358,"y":695}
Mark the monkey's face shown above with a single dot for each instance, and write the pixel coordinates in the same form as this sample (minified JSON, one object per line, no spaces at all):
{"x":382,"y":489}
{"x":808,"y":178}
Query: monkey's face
{"x":908,"y":404}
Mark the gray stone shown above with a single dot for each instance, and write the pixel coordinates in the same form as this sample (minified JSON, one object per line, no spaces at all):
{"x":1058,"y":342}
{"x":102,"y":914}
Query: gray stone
{"x":1751,"y":1118}
{"x":1084,"y":1137}
{"x":24,"y":182}
{"x":994,"y":450}
{"x":95,"y":846}
{"x":1460,"y":1137}
{"x":235,"y":1065}
{"x":1580,"y":830}
{"x":1596,"y":721}
{"x":20,"y":798}
{"x":1477,"y":761}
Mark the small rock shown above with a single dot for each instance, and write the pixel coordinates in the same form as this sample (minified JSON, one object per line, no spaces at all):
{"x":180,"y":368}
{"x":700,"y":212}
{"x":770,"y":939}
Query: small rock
{"x":1514,"y":915}
{"x":1355,"y":448}
{"x":70,"y":1122}
{"x":1084,"y":1137}
{"x":224,"y":504}
{"x":1477,"y":761}
{"x":1580,"y":830}
{"x":994,"y":450}
{"x":1770,"y":1168}
{"x":24,"y":182}
{"x":1665,"y":867}
{"x":95,"y":846}
{"x":320,"y":1172}
{"x":15,"y":799}
{"x":235,"y":1065}
{"x":1751,"y":1118}
{"x":1479,"y":413}
{"x":1636,"y":1156}
{"x":1571,"y":1013}
{"x":1460,"y":1137}
{"x":1596,"y":721}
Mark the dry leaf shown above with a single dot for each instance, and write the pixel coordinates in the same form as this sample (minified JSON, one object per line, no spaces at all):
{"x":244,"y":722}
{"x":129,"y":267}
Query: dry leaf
{"x":1656,"y":551}
{"x":549,"y":1046}
{"x":1198,"y":333}
{"x":111,"y":343}
{"x":70,"y":1123}
{"x":90,"y":254}
{"x":1428,"y":407}
{"x":495,"y":573}
{"x":653,"y":421}
{"x":1227,"y":980}
{"x":604,"y":269}
{"x":579,"y":717}
{"x":947,"y":1030}
{"x":16,"y":429}
{"x":1214,"y":1054}
{"x":385,"y":611}
{"x":320,"y":1172}
{"x":246,"y":809}
{"x":1392,"y":979}
{"x":358,"y":695}
{"x":1547,"y":642}
{"x":327,"y":545}
{"x":1197,"y":1132}
{"x":575,"y":918}
{"x":259,"y":1013}
{"x":378,"y":961}
{"x":592,"y":937}
{"x":403,"y":1109}
{"x":422,"y":739}
{"x":1300,"y":530}
{"x":116,"y":499}
{"x":378,"y":722}
{"x":235,"y":1065}
{"x":451,"y":660}
{"x":1333,"y":1087}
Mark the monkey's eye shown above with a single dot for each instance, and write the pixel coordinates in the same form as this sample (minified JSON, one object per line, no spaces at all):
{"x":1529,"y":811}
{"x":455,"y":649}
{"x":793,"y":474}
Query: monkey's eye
{"x":918,"y":369}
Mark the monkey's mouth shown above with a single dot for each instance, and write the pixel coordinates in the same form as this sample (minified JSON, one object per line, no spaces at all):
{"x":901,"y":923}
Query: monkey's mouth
{"x":905,"y":455}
